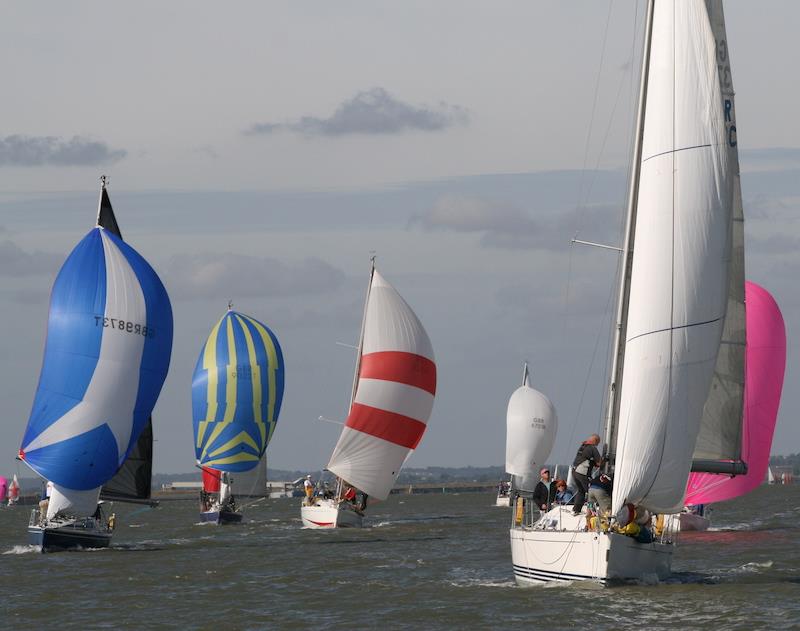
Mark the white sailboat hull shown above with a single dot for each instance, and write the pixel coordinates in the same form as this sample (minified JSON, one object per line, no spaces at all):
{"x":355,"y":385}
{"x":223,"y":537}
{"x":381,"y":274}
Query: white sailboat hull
{"x":330,"y":514}
{"x":542,"y":555}
{"x":503,"y":500}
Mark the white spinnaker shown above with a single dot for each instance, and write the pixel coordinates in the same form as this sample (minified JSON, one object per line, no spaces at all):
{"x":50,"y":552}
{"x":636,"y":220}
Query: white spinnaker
{"x":531,"y":426}
{"x":72,"y":502}
{"x":112,"y":392}
{"x":364,"y":460}
{"x":680,"y":263}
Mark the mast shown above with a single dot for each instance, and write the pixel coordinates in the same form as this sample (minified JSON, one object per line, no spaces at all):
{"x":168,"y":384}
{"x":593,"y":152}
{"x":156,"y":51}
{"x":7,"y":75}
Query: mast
{"x":361,"y":335}
{"x":525,"y":375}
{"x":612,"y":412}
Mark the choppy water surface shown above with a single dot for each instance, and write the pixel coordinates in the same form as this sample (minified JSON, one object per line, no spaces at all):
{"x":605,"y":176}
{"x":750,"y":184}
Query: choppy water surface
{"x":424,"y":562}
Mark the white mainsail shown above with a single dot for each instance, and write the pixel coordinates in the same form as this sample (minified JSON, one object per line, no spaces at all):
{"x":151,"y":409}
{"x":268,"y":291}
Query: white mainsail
{"x":396,"y":384}
{"x":531,"y":426}
{"x":679,"y":279}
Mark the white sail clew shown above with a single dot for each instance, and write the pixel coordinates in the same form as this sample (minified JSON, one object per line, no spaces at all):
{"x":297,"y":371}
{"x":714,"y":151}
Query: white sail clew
{"x":679,"y":282}
{"x":531,"y":426}
{"x":394,"y":394}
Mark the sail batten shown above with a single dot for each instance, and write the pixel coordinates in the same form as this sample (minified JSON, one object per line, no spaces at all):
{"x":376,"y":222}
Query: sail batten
{"x":394,"y":394}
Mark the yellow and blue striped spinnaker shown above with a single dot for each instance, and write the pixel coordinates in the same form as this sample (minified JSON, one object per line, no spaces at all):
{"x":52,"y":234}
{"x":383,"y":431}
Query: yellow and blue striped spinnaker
{"x":237,"y":392}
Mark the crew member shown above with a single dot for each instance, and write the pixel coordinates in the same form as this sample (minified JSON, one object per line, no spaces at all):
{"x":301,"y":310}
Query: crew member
{"x":586,"y":459}
{"x":308,"y":487}
{"x":545,"y":491}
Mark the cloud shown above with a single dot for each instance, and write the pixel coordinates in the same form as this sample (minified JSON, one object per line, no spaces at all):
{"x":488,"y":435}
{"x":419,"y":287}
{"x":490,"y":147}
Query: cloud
{"x":503,"y":225}
{"x":371,"y":112}
{"x":228,"y":276}
{"x":33,"y":151}
{"x":773,"y":156}
{"x":14,"y":261}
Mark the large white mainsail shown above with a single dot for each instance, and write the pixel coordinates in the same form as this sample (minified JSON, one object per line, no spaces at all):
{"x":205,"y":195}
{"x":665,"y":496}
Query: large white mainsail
{"x":679,"y":279}
{"x":393,"y":396}
{"x":531,"y":426}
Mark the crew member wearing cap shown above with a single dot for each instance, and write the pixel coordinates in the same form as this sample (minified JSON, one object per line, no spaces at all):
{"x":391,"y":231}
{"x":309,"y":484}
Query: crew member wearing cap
{"x":308,"y":487}
{"x":545,"y":491}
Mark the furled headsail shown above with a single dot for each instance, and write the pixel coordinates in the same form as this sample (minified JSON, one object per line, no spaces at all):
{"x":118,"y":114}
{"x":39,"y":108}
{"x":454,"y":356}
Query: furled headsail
{"x":765,"y":360}
{"x":237,"y":391}
{"x":109,"y":341}
{"x":396,"y":385}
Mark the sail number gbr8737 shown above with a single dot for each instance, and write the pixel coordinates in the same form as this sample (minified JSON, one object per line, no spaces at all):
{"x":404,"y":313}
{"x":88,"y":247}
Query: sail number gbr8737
{"x":125,"y":325}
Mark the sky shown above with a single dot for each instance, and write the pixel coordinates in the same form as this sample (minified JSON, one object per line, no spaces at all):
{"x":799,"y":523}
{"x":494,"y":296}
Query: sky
{"x":259,"y":152}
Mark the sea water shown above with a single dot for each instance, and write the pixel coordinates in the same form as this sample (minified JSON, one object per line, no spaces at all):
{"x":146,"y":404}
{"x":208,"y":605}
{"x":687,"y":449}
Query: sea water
{"x":422,"y":562}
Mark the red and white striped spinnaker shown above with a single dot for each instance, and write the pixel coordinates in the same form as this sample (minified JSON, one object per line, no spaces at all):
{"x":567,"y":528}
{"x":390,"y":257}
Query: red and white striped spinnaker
{"x":393,"y":397}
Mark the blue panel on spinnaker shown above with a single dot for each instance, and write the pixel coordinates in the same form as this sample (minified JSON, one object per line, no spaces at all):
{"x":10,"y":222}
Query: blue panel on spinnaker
{"x":237,"y":391}
{"x":109,"y":341}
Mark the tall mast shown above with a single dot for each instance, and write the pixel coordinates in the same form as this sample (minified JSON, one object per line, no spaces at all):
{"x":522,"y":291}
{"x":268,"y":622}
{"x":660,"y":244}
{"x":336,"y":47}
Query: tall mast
{"x":612,"y":412}
{"x":361,"y":335}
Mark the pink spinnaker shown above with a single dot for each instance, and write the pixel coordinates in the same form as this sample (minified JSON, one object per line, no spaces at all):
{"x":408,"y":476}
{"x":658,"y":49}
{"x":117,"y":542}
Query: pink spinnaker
{"x":765,"y":361}
{"x":3,"y":488}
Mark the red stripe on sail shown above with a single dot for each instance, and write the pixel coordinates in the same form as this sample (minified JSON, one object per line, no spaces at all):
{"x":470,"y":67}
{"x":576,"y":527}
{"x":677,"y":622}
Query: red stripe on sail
{"x":390,"y":426}
{"x":407,"y":368}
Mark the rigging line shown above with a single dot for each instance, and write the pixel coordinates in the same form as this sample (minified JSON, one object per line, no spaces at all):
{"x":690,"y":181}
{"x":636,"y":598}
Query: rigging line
{"x":594,"y":107}
{"x":589,"y":372}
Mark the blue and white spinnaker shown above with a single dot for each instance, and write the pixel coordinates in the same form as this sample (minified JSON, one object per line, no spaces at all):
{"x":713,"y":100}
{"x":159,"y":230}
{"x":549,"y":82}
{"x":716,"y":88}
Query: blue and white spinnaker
{"x":109,"y":341}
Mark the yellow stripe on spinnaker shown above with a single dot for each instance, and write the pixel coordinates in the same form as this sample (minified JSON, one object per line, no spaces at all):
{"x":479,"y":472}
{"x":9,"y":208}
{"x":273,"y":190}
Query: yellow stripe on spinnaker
{"x":210,"y":365}
{"x":240,"y":457}
{"x":230,"y":390}
{"x":272,"y":367}
{"x":233,"y":378}
{"x":256,"y":375}
{"x":241,"y":437}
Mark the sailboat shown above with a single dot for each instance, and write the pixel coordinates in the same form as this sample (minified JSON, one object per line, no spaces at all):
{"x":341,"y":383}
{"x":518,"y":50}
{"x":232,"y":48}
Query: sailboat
{"x":109,"y":341}
{"x":237,"y":391}
{"x":531,"y":427}
{"x":391,"y":401}
{"x":765,"y":361}
{"x":13,"y":491}
{"x":680,"y":269}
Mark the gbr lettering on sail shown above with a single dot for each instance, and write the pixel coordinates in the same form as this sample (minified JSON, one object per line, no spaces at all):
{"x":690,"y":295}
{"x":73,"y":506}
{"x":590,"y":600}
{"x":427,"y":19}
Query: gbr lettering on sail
{"x":726,"y":85}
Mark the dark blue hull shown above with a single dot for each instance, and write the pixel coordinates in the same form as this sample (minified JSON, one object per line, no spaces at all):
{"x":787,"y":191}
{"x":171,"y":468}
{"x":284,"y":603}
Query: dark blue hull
{"x":221,"y":517}
{"x":66,"y":537}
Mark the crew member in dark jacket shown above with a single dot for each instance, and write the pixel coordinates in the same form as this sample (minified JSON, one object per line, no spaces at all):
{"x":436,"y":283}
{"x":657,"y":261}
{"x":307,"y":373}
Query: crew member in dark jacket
{"x":587,"y":457}
{"x":545,"y":491}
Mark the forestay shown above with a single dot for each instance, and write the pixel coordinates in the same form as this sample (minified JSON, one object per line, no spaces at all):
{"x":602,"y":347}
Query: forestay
{"x":394,"y":394}
{"x":679,"y":277}
{"x":109,"y":340}
{"x":765,"y":363}
{"x":531,"y":426}
{"x":237,"y":391}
